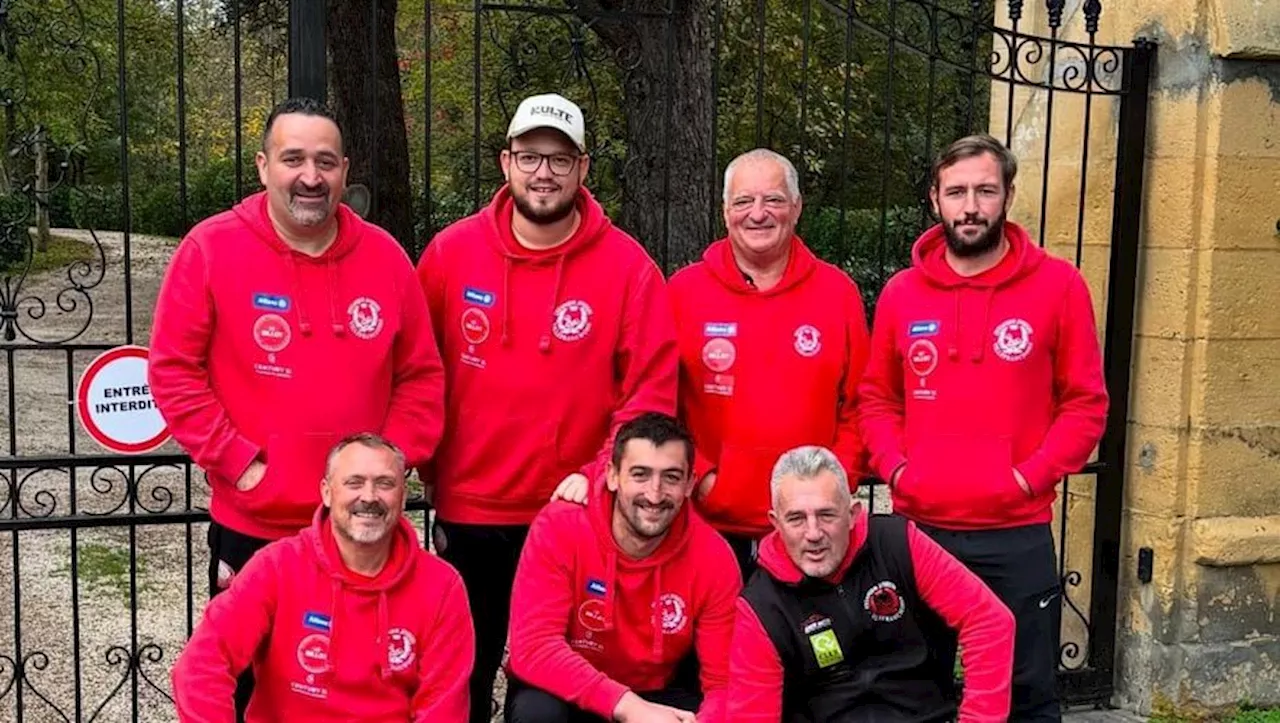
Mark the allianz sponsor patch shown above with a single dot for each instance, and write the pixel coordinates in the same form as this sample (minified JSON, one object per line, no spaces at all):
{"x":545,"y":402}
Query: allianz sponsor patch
{"x":826,"y":647}
{"x":720,"y":328}
{"x":596,"y":587}
{"x":923,"y":328}
{"x":273,"y":302}
{"x":477,"y":296}
{"x":316,"y":621}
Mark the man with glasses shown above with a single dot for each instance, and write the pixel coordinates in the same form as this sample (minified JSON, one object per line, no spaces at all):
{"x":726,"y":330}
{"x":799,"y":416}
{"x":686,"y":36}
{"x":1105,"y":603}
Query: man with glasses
{"x":555,"y":330}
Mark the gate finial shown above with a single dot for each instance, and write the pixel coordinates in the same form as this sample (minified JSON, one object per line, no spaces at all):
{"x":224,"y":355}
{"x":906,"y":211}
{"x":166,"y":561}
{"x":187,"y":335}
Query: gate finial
{"x":1092,"y":11}
{"x":1055,"y":12}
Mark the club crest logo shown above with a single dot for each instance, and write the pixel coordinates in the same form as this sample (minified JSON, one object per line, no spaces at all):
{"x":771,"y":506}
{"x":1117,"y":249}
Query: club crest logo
{"x":366,"y":317}
{"x":573,"y":320}
{"x":475,"y":325}
{"x":272,"y":333}
{"x":672,"y":613}
{"x":719,"y":354}
{"x":883,"y":602}
{"x":313,"y":653}
{"x":400,"y":651}
{"x":808,"y":340}
{"x":1013,"y":340}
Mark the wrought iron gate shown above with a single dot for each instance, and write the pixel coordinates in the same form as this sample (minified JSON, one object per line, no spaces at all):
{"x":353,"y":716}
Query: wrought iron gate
{"x":126,"y":122}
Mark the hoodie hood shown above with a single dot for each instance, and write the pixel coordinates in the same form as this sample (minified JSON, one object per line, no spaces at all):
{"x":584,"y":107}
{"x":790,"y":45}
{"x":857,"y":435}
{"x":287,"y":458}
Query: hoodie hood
{"x":253,"y":212}
{"x":617,"y":563}
{"x":928,"y":254}
{"x":724,"y":267}
{"x":318,"y":540}
{"x":593,"y":224}
{"x":774,"y":559}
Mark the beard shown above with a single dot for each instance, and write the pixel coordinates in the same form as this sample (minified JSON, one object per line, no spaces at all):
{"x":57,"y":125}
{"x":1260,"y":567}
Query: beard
{"x":542,"y":215}
{"x":985,"y":241}
{"x":359,"y":529}
{"x":309,"y":215}
{"x":642,"y":527}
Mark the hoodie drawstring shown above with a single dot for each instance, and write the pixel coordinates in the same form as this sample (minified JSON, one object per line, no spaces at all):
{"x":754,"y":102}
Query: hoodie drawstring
{"x":338,"y":328}
{"x":658,"y":635}
{"x":610,"y":585}
{"x":953,"y":348}
{"x":544,"y":344}
{"x":335,"y":605}
{"x":304,"y":322}
{"x":506,"y":301}
{"x":382,"y":650}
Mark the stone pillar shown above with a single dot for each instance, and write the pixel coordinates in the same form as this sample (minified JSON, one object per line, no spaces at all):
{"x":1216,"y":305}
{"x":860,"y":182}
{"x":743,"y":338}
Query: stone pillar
{"x":1203,"y":476}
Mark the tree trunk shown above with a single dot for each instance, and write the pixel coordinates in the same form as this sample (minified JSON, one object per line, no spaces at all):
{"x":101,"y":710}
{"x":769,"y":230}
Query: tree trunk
{"x":365,"y":84}
{"x":42,"y":192}
{"x":668,"y":203}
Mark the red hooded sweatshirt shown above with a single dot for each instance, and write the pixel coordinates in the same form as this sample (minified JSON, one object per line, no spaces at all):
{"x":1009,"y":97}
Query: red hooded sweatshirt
{"x":792,"y":355}
{"x":329,"y":644}
{"x":260,"y":351}
{"x":547,"y":353}
{"x":984,"y":624}
{"x":589,"y":622}
{"x":970,"y":378}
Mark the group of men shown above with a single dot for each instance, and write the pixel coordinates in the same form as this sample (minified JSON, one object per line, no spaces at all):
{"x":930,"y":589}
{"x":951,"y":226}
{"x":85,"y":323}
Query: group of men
{"x":643,"y":488}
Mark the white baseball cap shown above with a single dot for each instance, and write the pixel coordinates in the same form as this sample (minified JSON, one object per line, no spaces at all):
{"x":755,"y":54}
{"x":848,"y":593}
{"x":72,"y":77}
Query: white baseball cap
{"x":549,"y":111}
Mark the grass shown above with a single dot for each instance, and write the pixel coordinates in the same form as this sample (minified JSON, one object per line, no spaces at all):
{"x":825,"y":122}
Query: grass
{"x":103,"y":568}
{"x":63,"y":251}
{"x":1243,"y":713}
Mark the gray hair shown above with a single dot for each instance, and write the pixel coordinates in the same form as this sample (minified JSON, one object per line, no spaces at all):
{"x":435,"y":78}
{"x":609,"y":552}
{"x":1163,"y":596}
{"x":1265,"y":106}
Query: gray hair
{"x":365,"y":439}
{"x":806,"y":463}
{"x":764,"y":154}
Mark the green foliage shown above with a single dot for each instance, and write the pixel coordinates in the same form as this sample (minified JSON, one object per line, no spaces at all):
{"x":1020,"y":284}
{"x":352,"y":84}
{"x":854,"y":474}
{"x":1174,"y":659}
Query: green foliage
{"x":870,"y":244}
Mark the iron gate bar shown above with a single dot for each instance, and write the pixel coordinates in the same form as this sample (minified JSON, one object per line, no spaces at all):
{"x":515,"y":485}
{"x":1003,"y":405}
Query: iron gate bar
{"x":308,"y":60}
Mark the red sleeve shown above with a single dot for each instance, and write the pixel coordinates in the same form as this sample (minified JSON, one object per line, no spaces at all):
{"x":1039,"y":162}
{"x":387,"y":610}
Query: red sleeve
{"x":755,"y":671}
{"x":541,"y":602}
{"x":1080,"y":395}
{"x":985,"y":627}
{"x":223,"y":644}
{"x":415,"y":420}
{"x":881,"y":408}
{"x":443,"y":676}
{"x":848,"y":445}
{"x":702,"y":465}
{"x":178,"y":371}
{"x":714,"y":636}
{"x":647,"y":361}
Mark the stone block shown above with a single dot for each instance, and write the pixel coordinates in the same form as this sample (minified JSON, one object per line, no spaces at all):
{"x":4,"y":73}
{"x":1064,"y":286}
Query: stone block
{"x":1164,"y":292}
{"x":1244,"y":211}
{"x":1236,"y":469}
{"x":1241,"y":384}
{"x":1236,"y":542}
{"x":1157,"y":397}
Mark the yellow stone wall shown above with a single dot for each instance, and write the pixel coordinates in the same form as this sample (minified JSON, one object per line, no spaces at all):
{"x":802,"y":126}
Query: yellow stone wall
{"x":1203,"y":475}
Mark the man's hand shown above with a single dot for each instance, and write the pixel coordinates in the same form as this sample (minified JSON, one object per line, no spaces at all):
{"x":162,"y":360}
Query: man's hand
{"x":572,"y":489}
{"x":252,"y":476}
{"x":705,"y":486}
{"x":1022,"y":482}
{"x":634,"y":709}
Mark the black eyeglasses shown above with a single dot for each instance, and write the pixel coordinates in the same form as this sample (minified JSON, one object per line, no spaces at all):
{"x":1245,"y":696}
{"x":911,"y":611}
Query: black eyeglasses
{"x":560,"y":163}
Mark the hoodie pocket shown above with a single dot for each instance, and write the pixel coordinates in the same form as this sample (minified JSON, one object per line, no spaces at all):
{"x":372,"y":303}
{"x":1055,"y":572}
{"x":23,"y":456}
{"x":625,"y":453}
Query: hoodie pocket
{"x":958,"y":477}
{"x":290,"y":489}
{"x":740,"y":496}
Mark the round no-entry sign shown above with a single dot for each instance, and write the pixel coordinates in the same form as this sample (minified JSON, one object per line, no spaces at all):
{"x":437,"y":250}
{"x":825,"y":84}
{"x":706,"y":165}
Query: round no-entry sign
{"x":115,"y":405}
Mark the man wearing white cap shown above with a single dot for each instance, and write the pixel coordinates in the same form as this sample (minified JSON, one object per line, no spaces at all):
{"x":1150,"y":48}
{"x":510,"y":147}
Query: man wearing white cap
{"x":555,"y":330}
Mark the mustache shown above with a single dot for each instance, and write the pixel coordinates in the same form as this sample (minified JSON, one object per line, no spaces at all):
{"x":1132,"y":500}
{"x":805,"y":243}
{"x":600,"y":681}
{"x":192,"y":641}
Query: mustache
{"x":661,"y":506}
{"x":301,"y":189}
{"x":361,"y":508}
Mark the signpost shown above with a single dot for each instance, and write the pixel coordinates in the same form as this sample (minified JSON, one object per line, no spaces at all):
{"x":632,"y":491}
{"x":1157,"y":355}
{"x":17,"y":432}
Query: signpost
{"x":113,"y":401}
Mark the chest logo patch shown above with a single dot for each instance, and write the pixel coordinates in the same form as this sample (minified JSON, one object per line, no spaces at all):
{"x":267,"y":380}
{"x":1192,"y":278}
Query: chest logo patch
{"x":883,"y":602}
{"x":1013,"y":340}
{"x":922,"y":356}
{"x":573,"y":320}
{"x":475,"y":325}
{"x":272,"y":333}
{"x":400,"y":649}
{"x":826,"y":647}
{"x":366,"y":317}
{"x":591,"y":615}
{"x":808,"y":340}
{"x":672,"y":613}
{"x":313,"y":653}
{"x":719,"y":354}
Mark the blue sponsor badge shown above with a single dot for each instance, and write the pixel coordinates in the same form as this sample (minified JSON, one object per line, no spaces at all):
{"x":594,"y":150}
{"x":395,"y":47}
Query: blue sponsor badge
{"x":720,"y":328}
{"x":316,"y":621}
{"x":271,"y":301}
{"x":477,"y":296}
{"x":596,"y":587}
{"x":923,"y":328}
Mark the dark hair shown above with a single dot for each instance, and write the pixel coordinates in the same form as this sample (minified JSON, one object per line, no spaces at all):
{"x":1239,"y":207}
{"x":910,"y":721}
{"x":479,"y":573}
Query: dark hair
{"x":654,"y":427}
{"x":976,"y":145}
{"x":301,"y":106}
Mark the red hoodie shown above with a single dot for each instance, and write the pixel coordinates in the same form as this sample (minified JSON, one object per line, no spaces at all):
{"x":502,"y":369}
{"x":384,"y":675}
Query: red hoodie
{"x":260,"y":351}
{"x":588,"y":622}
{"x":985,"y":626}
{"x":329,"y":644}
{"x":792,"y":355}
{"x":969,"y":379}
{"x":546,"y":353}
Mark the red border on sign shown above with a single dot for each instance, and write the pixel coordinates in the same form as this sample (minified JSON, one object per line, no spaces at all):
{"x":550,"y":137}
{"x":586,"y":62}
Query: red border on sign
{"x":82,"y":403}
